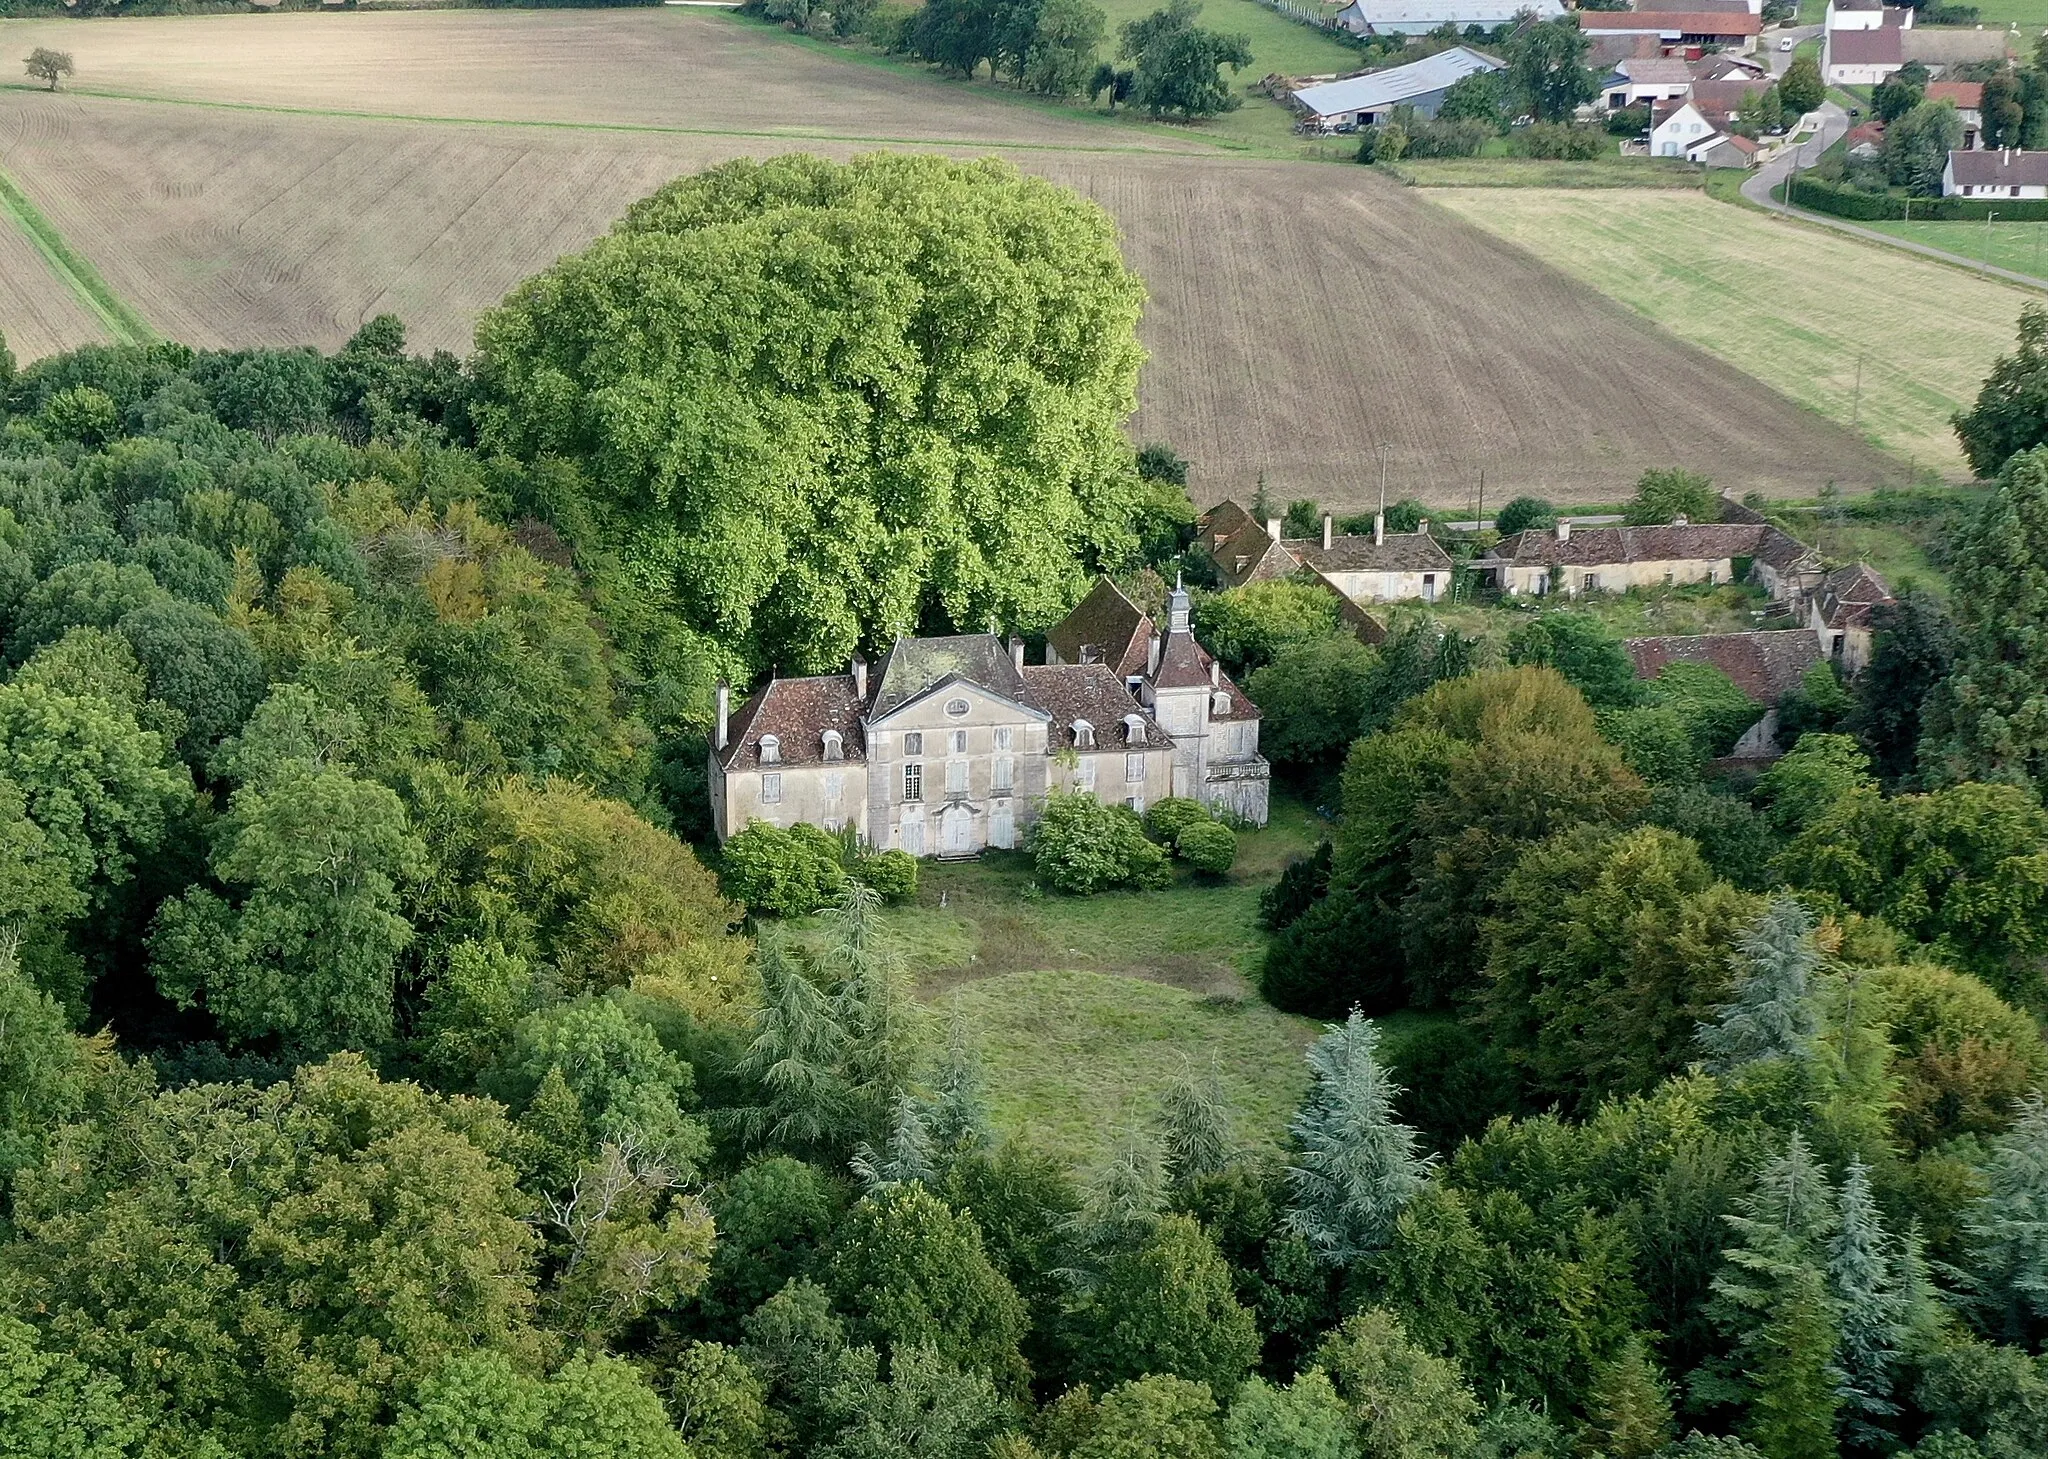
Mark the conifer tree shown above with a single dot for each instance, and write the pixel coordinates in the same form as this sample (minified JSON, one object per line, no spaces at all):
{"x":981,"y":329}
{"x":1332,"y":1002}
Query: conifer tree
{"x":1773,"y":1302}
{"x":908,"y":1155}
{"x":1120,"y":1207}
{"x":957,"y":1113}
{"x":1628,"y":1408}
{"x":872,"y":1002}
{"x":2010,"y":1224}
{"x":1195,"y":1134}
{"x":1774,"y":1014}
{"x":1864,"y":1270}
{"x":794,"y":1059}
{"x":1356,"y":1166}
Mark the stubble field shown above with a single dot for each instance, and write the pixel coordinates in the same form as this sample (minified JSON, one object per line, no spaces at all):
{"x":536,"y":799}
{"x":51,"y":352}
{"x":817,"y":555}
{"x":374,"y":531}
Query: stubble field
{"x":1876,"y":339}
{"x":1300,"y":314}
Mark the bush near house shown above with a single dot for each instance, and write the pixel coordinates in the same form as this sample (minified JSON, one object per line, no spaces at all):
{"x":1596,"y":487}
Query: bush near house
{"x":1208,"y":846}
{"x":1081,"y":846}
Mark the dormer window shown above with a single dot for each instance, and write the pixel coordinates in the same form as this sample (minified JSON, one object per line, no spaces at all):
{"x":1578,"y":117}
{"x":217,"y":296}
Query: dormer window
{"x":1134,"y":729}
{"x":834,"y":747}
{"x":771,"y":750}
{"x":1219,"y":702}
{"x":957,"y":708}
{"x":1084,"y":735}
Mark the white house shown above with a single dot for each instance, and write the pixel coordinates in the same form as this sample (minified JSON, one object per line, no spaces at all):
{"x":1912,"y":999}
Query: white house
{"x":1866,"y":15}
{"x":1725,"y":149}
{"x":1862,"y":57}
{"x":1420,"y":17}
{"x":1967,"y":97}
{"x":1362,"y":101}
{"x":2006,"y":173}
{"x":1637,"y":79}
{"x":1676,"y":127}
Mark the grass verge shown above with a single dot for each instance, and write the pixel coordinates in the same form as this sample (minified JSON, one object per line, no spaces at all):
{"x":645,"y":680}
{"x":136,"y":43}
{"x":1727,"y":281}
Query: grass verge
{"x":79,"y":276}
{"x":1601,"y":172}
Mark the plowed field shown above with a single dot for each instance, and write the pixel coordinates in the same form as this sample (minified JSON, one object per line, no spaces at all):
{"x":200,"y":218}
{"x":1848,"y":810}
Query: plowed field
{"x":1300,"y":315}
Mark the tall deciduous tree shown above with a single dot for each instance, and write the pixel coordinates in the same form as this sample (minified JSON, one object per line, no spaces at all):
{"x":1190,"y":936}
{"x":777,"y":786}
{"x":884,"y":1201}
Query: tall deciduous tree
{"x":1178,"y":66}
{"x":1912,"y":650}
{"x":793,"y":500}
{"x":1356,"y":1166}
{"x":1548,"y":69}
{"x":1801,"y":87}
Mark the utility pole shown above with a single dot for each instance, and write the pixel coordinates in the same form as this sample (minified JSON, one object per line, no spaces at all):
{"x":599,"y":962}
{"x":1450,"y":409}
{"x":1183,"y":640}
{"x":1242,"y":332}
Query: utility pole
{"x":1856,"y":407}
{"x":1383,"y":480}
{"x":1987,"y":238}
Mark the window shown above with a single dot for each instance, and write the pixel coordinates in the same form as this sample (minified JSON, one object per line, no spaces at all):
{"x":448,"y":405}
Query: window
{"x":1084,"y":775}
{"x":834,"y":747}
{"x":1002,"y":737}
{"x":1134,"y":768}
{"x":771,"y":788}
{"x":957,"y":708}
{"x":1219,"y":702}
{"x":956,"y":777}
{"x":1134,"y":729}
{"x":1591,"y":582}
{"x":913,"y":782}
{"x":832,"y":824}
{"x":771,"y":750}
{"x":913,"y":742}
{"x":1135,"y":803}
{"x":1084,"y":735}
{"x":2015,"y":192}
{"x":956,"y":742}
{"x":835,"y":785}
{"x":1429,"y":587}
{"x":1134,"y":683}
{"x":1003,"y":773}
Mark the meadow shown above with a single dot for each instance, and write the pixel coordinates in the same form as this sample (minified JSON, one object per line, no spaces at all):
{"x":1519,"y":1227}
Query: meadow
{"x":1886,"y":346}
{"x":2021,"y":247}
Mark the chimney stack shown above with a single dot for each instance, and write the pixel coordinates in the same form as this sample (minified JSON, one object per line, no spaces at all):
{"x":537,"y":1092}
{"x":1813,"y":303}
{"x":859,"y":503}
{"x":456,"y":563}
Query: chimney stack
{"x":1273,"y":528}
{"x":1328,"y":529}
{"x":860,"y":678}
{"x":1680,"y":520}
{"x":1423,"y":526}
{"x":1152,"y":654}
{"x":1017,"y":652}
{"x":1564,"y":530}
{"x":1215,"y":673}
{"x":724,"y":714}
{"x":1379,"y":528}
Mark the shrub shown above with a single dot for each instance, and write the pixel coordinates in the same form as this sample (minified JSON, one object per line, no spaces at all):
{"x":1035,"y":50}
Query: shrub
{"x":1169,"y":817}
{"x":1523,"y":513}
{"x":891,"y":874}
{"x":1303,"y":882}
{"x":1343,"y":952}
{"x":1383,"y":143}
{"x":1207,"y":846}
{"x":783,"y":873}
{"x":1082,"y":847}
{"x":1707,"y":700}
{"x":1556,"y":142}
{"x":1456,"y":138}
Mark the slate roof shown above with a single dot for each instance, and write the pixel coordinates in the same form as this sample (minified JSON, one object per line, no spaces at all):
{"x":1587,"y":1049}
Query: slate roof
{"x":1598,"y":546}
{"x":914,"y":665}
{"x":797,"y":712}
{"x":1108,"y":623}
{"x":1396,"y":84}
{"x":1999,"y":169}
{"x":1092,"y":692}
{"x":1765,"y":666}
{"x":1881,"y":47}
{"x":1183,"y":663}
{"x":1848,"y":594}
{"x":1357,"y":552}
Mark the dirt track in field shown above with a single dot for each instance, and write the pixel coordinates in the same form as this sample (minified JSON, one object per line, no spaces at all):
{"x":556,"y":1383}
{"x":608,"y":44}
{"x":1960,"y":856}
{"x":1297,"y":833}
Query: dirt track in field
{"x":1300,"y":314}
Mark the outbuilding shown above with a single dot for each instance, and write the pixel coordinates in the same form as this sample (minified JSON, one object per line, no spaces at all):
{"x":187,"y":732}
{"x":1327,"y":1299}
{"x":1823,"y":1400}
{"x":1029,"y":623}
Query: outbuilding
{"x":1420,"y":17}
{"x":1363,"y":101}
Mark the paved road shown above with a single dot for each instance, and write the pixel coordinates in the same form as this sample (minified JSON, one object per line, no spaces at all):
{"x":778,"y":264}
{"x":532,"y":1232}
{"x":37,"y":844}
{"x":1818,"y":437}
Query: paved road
{"x":1833,"y":122}
{"x":1780,"y":60}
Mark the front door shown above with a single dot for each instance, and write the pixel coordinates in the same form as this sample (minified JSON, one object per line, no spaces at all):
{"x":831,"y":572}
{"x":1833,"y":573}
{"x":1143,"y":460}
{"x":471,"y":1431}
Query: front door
{"x":955,"y":829}
{"x":1002,"y":831}
{"x":912,"y":834}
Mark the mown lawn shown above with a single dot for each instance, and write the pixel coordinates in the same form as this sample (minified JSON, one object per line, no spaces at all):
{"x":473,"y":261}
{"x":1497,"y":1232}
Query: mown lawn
{"x":2021,"y":247}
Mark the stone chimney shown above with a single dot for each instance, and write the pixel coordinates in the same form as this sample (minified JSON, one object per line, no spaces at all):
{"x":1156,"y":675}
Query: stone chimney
{"x":1152,"y":653}
{"x":1379,"y":529}
{"x":724,"y":715}
{"x":1017,"y":652}
{"x":1215,"y":673}
{"x":1423,"y":526}
{"x":1328,"y":530}
{"x":1680,"y":521}
{"x":1177,"y":608}
{"x":1273,"y":528}
{"x":860,"y":678}
{"x":1564,"y":530}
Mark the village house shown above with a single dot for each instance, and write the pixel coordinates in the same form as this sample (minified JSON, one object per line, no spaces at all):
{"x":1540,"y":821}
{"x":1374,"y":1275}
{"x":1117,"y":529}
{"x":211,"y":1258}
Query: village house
{"x":2008,"y":172}
{"x":1637,"y":79}
{"x":1967,"y":97}
{"x":1363,"y":101}
{"x":951,"y":745}
{"x":1676,"y":127}
{"x":1726,"y":149}
{"x":1839,"y":613}
{"x":1616,"y":559}
{"x":1860,"y":57}
{"x":1385,"y":567}
{"x":1676,"y":31}
{"x":1864,"y":15}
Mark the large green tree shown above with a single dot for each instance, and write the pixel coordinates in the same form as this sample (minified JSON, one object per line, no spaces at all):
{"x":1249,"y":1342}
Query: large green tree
{"x":1547,"y":68}
{"x":782,"y":429}
{"x":1178,"y":65}
{"x":2011,"y":412}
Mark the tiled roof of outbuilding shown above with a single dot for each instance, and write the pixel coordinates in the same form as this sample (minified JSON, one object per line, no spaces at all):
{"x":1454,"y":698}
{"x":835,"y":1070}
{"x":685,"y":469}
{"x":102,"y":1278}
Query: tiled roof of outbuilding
{"x":1765,"y":666}
{"x":1848,"y":594}
{"x":1400,"y":552}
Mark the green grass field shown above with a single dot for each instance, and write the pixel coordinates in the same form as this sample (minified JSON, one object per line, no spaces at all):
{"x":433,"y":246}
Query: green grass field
{"x":1882,"y":342}
{"x":2029,"y":15}
{"x":1074,"y":1059}
{"x":1604,"y":172}
{"x":2021,"y":247}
